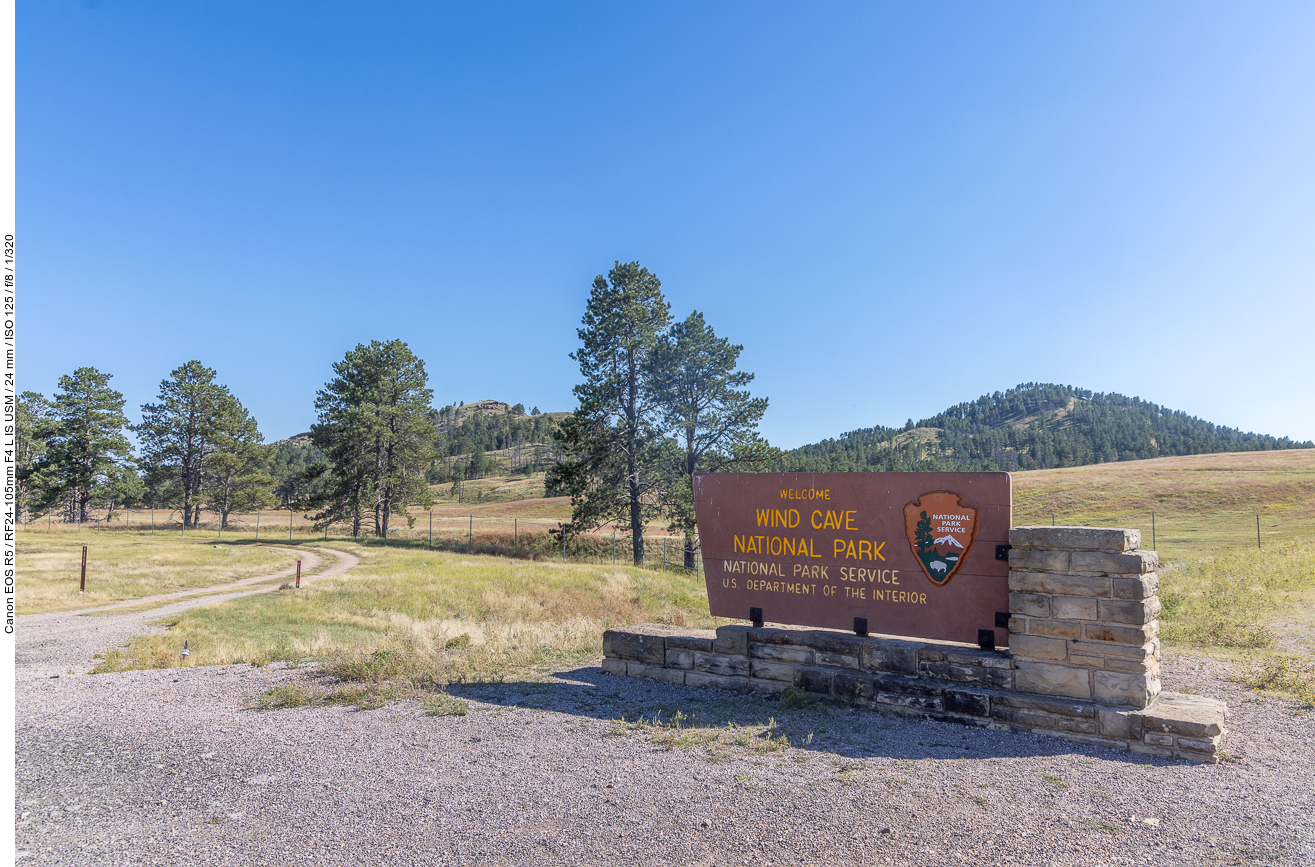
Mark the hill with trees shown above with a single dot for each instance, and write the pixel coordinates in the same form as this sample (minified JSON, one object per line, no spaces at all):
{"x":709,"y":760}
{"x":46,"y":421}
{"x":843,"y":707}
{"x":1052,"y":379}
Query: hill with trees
{"x":1032,"y":426}
{"x":475,"y":439}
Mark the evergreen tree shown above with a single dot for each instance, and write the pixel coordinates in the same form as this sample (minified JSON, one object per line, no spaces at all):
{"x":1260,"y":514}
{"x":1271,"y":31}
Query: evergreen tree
{"x":181,"y":432}
{"x":86,"y":452}
{"x":714,"y":420}
{"x":32,"y":427}
{"x":374,"y":428}
{"x":237,"y":474}
{"x":922,"y":533}
{"x":295,"y":486}
{"x":612,"y":442}
{"x":1033,"y":426}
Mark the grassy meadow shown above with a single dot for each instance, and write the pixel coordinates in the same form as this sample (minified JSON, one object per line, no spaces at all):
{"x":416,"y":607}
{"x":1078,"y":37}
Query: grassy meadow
{"x":126,"y":565}
{"x":1203,"y":504}
{"x":425,"y":617}
{"x":411,"y":618}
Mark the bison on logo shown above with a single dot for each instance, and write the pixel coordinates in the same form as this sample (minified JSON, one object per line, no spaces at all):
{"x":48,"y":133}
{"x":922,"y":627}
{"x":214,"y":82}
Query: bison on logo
{"x":940,"y":529}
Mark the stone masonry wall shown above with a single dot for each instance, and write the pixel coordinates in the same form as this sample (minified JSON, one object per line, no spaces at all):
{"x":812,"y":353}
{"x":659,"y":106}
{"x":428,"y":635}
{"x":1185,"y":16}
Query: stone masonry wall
{"x":1084,"y":614}
{"x":1083,"y":661}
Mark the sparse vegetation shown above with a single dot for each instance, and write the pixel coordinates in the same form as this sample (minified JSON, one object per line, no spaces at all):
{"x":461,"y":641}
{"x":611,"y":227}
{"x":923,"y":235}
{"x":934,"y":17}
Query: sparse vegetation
{"x":794,"y":697}
{"x":281,"y":697}
{"x":442,"y":704}
{"x":124,"y":566}
{"x":1295,"y":677}
{"x":1054,"y":781}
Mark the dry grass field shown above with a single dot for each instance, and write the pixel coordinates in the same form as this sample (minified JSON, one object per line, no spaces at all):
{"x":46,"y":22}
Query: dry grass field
{"x":128,"y":565}
{"x":1203,"y":504}
{"x":416,"y":617}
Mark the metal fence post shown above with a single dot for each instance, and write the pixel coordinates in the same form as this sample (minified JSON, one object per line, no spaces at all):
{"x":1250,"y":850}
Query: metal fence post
{"x":82,"y":588}
{"x":289,"y":525}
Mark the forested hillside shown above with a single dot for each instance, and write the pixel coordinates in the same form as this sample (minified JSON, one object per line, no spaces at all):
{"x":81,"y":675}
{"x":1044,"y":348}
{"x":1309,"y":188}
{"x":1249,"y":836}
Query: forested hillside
{"x":1033,"y":426}
{"x":467,"y":434}
{"x":490,"y":425}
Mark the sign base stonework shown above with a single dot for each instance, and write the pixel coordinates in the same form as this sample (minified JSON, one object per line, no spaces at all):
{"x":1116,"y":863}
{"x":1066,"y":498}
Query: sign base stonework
{"x":1084,"y":664}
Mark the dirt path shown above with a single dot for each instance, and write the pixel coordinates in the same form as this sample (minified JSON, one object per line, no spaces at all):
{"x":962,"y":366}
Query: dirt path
{"x":62,"y":642}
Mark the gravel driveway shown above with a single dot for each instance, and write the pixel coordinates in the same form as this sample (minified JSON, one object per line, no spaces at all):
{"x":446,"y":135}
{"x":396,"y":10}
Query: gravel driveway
{"x":167,"y":767}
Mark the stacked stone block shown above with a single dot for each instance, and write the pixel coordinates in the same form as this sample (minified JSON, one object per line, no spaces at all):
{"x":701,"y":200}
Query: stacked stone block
{"x":1083,"y":661}
{"x":1084,"y":614}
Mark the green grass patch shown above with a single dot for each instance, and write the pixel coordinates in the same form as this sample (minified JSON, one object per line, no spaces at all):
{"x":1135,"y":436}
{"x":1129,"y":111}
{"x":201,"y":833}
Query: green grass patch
{"x":1226,"y":601}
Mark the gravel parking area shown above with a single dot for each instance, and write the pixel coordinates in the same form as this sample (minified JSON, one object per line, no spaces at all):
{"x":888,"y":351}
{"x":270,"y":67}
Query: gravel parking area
{"x":168,"y":767}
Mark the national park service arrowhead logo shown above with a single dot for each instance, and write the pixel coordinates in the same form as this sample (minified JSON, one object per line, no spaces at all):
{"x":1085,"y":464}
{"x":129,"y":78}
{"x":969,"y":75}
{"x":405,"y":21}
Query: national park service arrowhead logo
{"x":941,"y":530}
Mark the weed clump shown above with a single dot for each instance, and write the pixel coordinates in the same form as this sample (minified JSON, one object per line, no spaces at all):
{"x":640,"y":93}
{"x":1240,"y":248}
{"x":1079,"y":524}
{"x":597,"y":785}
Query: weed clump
{"x":442,"y":704}
{"x":281,"y":697}
{"x":1281,"y":674}
{"x":382,"y":665}
{"x":370,"y":697}
{"x":793,"y":697}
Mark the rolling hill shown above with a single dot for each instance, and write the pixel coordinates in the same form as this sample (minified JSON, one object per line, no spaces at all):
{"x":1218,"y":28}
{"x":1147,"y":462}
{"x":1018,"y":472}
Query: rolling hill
{"x":1033,"y":426}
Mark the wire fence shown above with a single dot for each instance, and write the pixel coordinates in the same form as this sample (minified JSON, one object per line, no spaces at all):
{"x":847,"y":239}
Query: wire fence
{"x":1191,"y":535}
{"x":530,"y":537}
{"x":1175,"y":535}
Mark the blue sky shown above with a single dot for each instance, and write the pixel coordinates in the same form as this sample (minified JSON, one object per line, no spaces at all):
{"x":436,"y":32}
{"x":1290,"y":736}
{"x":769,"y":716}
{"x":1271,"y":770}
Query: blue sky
{"x":893,"y":207}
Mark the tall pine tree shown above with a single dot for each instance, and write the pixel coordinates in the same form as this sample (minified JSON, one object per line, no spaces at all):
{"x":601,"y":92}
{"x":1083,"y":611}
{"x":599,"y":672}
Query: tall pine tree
{"x":613,"y":441}
{"x":374,"y":428}
{"x":715,"y":421}
{"x":179,"y":434}
{"x":237,"y":477}
{"x":85,"y":450}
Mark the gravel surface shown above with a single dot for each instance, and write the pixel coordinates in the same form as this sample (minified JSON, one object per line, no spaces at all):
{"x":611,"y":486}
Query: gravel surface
{"x":167,"y":767}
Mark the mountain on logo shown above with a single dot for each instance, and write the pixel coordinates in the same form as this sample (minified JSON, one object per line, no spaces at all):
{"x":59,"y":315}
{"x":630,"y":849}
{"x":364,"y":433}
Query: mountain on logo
{"x":932,"y":522}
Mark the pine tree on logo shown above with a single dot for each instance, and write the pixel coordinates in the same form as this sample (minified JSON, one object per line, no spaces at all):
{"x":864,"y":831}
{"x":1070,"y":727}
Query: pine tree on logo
{"x":922,"y":535}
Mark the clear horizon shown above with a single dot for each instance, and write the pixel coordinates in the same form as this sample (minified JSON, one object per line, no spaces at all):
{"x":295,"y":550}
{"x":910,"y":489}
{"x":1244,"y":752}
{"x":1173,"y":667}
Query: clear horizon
{"x":894,"y":209}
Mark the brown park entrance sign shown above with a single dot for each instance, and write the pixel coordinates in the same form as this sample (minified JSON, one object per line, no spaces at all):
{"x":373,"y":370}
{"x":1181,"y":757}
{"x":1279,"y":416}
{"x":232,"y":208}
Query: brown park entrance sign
{"x":910,"y":554}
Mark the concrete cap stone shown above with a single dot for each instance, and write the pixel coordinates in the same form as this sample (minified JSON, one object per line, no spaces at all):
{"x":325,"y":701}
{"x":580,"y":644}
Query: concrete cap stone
{"x":1076,"y":538}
